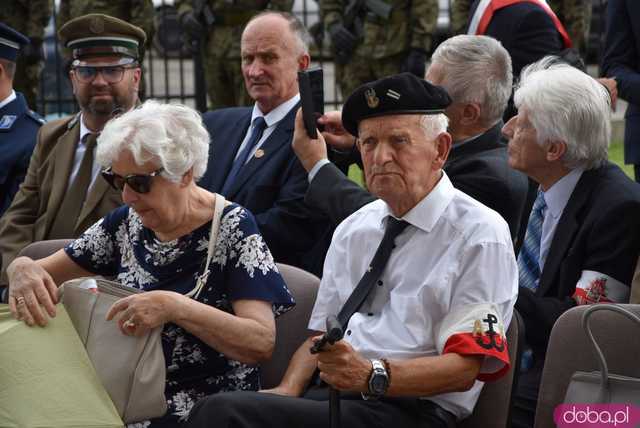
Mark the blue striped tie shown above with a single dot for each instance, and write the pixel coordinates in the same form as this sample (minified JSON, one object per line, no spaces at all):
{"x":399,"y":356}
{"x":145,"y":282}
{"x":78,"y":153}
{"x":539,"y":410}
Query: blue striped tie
{"x":529,"y":257}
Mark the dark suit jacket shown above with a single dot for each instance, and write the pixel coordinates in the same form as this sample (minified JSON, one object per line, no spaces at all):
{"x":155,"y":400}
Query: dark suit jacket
{"x":272,"y":187}
{"x":622,"y":61}
{"x":599,"y":230}
{"x":478,"y":167}
{"x":18,"y":129}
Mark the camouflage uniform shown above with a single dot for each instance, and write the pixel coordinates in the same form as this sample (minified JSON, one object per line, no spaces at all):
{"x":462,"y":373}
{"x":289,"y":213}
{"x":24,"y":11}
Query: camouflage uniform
{"x":576,"y":17}
{"x":460,"y":15}
{"x":223,"y":72}
{"x":385,"y":44}
{"x":137,"y":12}
{"x":28,"y":17}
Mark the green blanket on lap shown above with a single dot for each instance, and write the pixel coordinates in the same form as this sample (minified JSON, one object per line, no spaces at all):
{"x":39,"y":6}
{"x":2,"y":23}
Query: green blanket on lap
{"x":46,"y":377}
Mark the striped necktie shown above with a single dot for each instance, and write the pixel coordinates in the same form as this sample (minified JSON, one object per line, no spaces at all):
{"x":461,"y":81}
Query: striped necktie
{"x":529,"y":257}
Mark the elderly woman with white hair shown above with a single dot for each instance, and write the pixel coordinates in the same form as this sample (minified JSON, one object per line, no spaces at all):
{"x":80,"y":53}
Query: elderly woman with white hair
{"x":158,"y":242}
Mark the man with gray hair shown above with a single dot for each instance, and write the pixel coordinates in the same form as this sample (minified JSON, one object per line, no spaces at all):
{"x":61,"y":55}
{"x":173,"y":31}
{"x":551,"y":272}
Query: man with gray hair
{"x":476,"y":72}
{"x":423,"y":317}
{"x":251,"y":161}
{"x":583,"y":235}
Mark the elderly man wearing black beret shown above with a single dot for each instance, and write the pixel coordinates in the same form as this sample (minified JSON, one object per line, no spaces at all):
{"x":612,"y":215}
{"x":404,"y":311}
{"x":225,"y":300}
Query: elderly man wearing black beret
{"x":407,"y":277}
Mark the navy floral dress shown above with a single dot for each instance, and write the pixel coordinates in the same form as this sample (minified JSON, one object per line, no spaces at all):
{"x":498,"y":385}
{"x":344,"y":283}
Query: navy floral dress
{"x":241,"y":268}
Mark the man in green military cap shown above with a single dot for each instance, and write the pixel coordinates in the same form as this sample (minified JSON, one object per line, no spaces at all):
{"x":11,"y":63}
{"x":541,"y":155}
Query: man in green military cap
{"x":219,"y":24}
{"x":63,"y":192}
{"x":29,"y":17}
{"x":376,"y":38}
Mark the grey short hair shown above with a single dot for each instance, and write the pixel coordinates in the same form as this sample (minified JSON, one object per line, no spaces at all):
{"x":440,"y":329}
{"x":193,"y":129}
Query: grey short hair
{"x":563,"y":103}
{"x":171,"y":134}
{"x":476,"y":69}
{"x":297,"y":28}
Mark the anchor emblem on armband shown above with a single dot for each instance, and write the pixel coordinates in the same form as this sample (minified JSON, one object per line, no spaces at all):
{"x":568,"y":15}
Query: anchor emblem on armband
{"x":490,"y":338}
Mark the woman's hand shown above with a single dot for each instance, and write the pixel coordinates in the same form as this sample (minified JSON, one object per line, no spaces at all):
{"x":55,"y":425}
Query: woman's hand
{"x":30,"y":287}
{"x":139,"y":313}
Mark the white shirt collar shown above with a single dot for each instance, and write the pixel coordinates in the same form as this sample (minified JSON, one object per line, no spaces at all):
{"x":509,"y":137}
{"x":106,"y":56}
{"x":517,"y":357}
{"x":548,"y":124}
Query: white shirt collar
{"x":558,"y":195}
{"x":278,"y":113}
{"x":427,"y":212}
{"x":83,"y":129}
{"x":11,"y":97}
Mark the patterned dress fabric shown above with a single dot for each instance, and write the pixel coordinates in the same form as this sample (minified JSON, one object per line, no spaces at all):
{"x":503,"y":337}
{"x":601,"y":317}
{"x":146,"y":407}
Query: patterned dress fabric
{"x":241,"y":268}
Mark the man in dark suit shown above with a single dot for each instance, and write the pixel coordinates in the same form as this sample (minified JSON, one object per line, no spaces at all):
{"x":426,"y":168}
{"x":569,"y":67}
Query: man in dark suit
{"x":252,"y":162}
{"x":476,"y":72}
{"x":18,"y":124}
{"x":583,"y":235}
{"x":528,"y":29}
{"x":622,"y":62}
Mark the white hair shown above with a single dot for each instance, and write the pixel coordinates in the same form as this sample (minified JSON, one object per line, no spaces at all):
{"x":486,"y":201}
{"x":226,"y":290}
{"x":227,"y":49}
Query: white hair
{"x":433,"y":125}
{"x":170,"y":134}
{"x":476,"y":69}
{"x":565,"y":104}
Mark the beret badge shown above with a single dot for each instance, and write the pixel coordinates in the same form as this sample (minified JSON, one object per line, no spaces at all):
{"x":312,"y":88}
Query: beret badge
{"x":372,"y":99}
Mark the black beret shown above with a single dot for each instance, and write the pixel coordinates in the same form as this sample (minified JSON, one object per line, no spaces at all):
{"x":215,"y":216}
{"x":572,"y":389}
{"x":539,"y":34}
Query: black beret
{"x":398,"y":94}
{"x":10,"y":42}
{"x":97,"y":34}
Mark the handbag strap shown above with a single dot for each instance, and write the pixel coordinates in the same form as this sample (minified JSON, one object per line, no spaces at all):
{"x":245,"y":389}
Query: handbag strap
{"x":604,"y":368}
{"x":213,"y":237}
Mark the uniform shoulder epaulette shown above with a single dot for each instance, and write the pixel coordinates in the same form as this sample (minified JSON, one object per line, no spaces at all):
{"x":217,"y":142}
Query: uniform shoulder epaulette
{"x":35,"y":116}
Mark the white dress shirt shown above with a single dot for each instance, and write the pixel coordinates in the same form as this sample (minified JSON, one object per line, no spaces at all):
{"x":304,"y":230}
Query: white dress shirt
{"x":454,"y":261}
{"x":12,"y":96}
{"x":272,"y":119}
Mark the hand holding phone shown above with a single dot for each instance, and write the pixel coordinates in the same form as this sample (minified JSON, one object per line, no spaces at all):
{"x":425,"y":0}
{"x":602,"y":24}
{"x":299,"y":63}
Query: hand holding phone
{"x":310,"y":83}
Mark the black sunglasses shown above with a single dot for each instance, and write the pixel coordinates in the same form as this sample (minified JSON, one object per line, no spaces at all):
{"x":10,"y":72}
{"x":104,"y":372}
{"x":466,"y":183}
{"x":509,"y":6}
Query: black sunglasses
{"x":139,"y":183}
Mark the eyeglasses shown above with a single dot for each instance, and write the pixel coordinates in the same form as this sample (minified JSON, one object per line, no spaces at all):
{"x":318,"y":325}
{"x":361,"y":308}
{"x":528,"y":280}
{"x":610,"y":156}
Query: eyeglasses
{"x":111,"y":74}
{"x":139,"y":183}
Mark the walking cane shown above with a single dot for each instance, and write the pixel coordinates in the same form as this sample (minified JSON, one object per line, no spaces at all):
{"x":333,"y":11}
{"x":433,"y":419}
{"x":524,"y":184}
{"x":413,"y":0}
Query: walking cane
{"x":333,"y":334}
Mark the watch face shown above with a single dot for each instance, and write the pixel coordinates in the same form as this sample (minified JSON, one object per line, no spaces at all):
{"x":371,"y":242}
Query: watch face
{"x":379,"y":383}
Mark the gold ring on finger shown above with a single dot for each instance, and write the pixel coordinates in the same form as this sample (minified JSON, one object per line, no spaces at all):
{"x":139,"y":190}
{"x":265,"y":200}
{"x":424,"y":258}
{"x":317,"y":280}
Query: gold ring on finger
{"x":20,"y":300}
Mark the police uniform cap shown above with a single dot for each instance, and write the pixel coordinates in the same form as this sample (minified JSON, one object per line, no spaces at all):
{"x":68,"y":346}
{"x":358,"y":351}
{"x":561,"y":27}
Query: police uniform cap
{"x":10,"y":42}
{"x":97,"y":34}
{"x":398,"y":94}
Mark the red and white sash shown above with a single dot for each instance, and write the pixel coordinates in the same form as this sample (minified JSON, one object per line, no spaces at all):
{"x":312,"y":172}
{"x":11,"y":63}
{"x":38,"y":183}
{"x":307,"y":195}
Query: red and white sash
{"x":486,"y":8}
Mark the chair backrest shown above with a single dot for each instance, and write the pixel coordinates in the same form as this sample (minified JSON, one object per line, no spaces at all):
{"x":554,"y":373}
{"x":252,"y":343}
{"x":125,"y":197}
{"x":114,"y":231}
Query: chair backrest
{"x":41,"y":249}
{"x":493,"y":409}
{"x":291,"y":327}
{"x":569,"y":350}
{"x":635,"y":285}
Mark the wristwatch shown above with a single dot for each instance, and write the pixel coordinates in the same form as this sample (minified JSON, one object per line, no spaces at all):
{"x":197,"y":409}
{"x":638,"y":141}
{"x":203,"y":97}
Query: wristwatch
{"x":378,"y":380}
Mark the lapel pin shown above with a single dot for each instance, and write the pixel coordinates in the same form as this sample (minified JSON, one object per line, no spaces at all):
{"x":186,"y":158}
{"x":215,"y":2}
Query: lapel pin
{"x":259,"y":153}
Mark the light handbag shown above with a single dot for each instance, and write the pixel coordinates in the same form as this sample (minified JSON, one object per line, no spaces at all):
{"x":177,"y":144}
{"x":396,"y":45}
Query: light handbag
{"x":46,"y":378}
{"x":132,"y":369}
{"x":602,"y":386}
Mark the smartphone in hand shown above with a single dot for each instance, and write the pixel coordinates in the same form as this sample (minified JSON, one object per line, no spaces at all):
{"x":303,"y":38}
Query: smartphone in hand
{"x":311,"y":87}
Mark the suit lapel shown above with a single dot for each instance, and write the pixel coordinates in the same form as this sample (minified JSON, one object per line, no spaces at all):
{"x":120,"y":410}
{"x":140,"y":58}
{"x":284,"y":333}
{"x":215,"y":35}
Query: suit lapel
{"x":96,"y":193}
{"x":225,"y":152}
{"x":566,"y":231}
{"x":280,"y":136}
{"x":64,"y":153}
